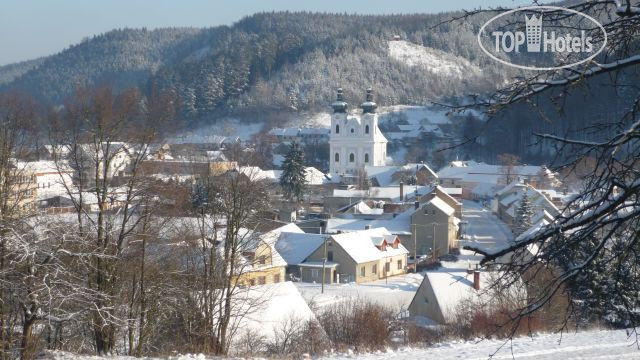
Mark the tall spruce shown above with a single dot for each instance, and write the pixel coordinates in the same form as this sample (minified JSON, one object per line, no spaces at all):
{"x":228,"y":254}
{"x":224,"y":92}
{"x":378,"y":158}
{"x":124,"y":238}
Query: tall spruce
{"x":524,"y":213}
{"x":293,"y":179}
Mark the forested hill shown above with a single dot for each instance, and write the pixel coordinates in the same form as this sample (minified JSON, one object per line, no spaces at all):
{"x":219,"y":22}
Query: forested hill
{"x":276,"y":60}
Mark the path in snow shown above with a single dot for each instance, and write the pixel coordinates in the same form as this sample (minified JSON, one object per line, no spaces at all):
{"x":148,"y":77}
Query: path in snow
{"x":483,"y":228}
{"x":606,"y":344}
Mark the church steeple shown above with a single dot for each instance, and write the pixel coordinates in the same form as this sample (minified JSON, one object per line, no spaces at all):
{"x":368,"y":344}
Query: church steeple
{"x":369,"y":106}
{"x":339,"y":106}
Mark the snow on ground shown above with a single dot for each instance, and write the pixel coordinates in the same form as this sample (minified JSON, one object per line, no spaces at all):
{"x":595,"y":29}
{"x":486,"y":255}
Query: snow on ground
{"x":430,"y":59}
{"x":606,"y":344}
{"x":396,"y":292}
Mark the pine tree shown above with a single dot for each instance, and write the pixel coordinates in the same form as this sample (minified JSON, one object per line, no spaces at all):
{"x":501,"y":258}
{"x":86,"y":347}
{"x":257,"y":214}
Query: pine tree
{"x":293,"y":177}
{"x":524,"y":213}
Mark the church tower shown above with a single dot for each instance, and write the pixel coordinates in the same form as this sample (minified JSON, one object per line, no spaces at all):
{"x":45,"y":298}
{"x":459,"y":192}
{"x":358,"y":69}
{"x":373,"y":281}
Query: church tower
{"x":356,"y":140}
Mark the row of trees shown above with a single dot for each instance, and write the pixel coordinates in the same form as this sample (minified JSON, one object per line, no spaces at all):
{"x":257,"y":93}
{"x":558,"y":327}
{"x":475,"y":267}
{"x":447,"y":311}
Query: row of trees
{"x":139,"y":266}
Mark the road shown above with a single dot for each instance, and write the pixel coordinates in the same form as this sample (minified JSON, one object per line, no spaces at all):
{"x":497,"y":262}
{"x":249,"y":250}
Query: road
{"x":483,"y":229}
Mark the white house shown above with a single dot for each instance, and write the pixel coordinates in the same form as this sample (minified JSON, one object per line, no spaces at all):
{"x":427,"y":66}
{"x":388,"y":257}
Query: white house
{"x":355,"y":140}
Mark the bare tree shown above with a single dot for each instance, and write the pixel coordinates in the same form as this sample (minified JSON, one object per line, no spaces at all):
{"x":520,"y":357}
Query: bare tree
{"x":593,"y":245}
{"x":105,"y":137}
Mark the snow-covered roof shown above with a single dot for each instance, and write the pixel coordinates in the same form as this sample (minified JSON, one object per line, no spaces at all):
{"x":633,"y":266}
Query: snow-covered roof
{"x":399,"y":225}
{"x":265,"y":309}
{"x":361,"y":208}
{"x":314,"y":176}
{"x":384,"y":174}
{"x":295,"y":247}
{"x":441,"y":205}
{"x":360,"y":245}
{"x":452,"y":287}
{"x":255,"y":173}
{"x":383,"y":192}
{"x":478,"y":172}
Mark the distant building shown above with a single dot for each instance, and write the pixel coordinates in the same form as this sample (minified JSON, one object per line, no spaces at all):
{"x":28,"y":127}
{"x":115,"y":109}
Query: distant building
{"x":355,"y":140}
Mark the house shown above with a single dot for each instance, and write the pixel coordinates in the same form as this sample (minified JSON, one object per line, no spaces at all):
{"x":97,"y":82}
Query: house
{"x":393,"y":175}
{"x":52,"y":178}
{"x":355,"y":140}
{"x":444,"y":293}
{"x":468,"y":175}
{"x":508,"y":200}
{"x":264,"y":264}
{"x":19,"y":192}
{"x":112,"y":159}
{"x":434,"y":212}
{"x":358,"y":256}
{"x":434,"y":228}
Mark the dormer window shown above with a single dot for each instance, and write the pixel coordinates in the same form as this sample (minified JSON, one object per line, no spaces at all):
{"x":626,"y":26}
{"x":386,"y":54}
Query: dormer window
{"x":366,"y":129}
{"x":337,"y":129}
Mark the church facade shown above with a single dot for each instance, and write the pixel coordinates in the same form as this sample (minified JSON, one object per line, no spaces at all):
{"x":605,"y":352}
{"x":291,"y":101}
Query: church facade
{"x":355,"y":140}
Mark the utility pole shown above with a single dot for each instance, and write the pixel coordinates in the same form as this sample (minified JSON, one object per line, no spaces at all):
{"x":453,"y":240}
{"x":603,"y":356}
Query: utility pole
{"x":415,"y":248}
{"x":324,"y":262}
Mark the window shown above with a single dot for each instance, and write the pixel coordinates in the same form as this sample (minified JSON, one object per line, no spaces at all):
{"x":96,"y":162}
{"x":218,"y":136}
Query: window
{"x":315,"y":273}
{"x":352,"y":157}
{"x":399,"y":264}
{"x":366,"y":158}
{"x":362,"y":271}
{"x":337,"y":157}
{"x":262,"y":260}
{"x":387,"y":267}
{"x":374,"y":269}
{"x":366,"y":129}
{"x":276,"y":278}
{"x":329,"y":255}
{"x":352,"y":130}
{"x":337,"y":129}
{"x":262,"y":280}
{"x":252,"y":282}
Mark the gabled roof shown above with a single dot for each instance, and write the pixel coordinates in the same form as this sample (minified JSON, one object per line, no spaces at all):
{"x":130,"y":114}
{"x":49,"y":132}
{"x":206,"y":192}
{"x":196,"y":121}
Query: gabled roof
{"x":359,"y":245}
{"x":441,"y":205}
{"x":399,"y":225}
{"x":295,"y":247}
{"x":271,"y":238}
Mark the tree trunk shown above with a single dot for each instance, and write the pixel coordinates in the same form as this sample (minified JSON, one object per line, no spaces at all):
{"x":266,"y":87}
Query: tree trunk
{"x":27,"y":348}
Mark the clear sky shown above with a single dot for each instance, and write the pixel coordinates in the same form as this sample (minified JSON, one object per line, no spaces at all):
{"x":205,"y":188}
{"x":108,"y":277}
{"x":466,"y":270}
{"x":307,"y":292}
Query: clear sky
{"x":33,"y":28}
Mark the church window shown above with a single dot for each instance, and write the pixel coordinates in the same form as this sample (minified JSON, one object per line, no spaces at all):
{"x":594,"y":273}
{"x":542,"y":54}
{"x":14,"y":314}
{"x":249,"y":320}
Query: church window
{"x":366,"y":158}
{"x":352,"y":157}
{"x":337,"y":157}
{"x":366,"y":129}
{"x":352,"y":130}
{"x":337,"y":129}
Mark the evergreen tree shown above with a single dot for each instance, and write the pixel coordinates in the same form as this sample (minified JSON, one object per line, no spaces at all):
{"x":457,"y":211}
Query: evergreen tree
{"x":524,"y":213}
{"x":293,"y":177}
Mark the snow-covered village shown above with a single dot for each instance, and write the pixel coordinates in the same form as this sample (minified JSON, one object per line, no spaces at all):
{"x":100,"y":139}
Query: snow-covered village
{"x":348,"y":181}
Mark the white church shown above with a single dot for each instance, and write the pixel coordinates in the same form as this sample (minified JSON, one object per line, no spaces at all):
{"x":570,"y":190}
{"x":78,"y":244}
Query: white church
{"x":355,"y":140}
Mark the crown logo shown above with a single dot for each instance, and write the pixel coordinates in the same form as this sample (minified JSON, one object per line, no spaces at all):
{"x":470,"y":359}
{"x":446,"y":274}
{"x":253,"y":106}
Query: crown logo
{"x":534,"y":32}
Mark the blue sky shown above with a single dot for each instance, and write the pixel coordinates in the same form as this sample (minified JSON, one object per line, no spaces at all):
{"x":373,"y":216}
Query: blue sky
{"x":33,"y":28}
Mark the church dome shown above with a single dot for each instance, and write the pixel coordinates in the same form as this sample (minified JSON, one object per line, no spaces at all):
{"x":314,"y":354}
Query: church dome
{"x":339,"y":106}
{"x":369,"y":106}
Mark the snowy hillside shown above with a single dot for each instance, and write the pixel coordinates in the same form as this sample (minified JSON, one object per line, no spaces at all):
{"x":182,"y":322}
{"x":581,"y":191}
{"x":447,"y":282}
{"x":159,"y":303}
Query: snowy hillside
{"x":433,"y":60}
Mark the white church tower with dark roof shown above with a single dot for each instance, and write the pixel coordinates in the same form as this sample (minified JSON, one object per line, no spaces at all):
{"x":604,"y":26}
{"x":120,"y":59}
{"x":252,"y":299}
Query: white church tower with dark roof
{"x":355,"y":140}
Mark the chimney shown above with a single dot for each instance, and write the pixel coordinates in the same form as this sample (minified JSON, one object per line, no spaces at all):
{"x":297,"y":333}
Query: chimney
{"x":476,"y":280}
{"x":401,"y":191}
{"x":367,"y":227}
{"x":416,"y":204}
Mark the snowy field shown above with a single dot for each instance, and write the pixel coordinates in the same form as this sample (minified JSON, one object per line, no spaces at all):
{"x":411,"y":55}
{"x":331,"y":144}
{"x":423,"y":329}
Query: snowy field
{"x":584,"y":345}
{"x":432,"y":60}
{"x":606,"y":344}
{"x":396,"y":293}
